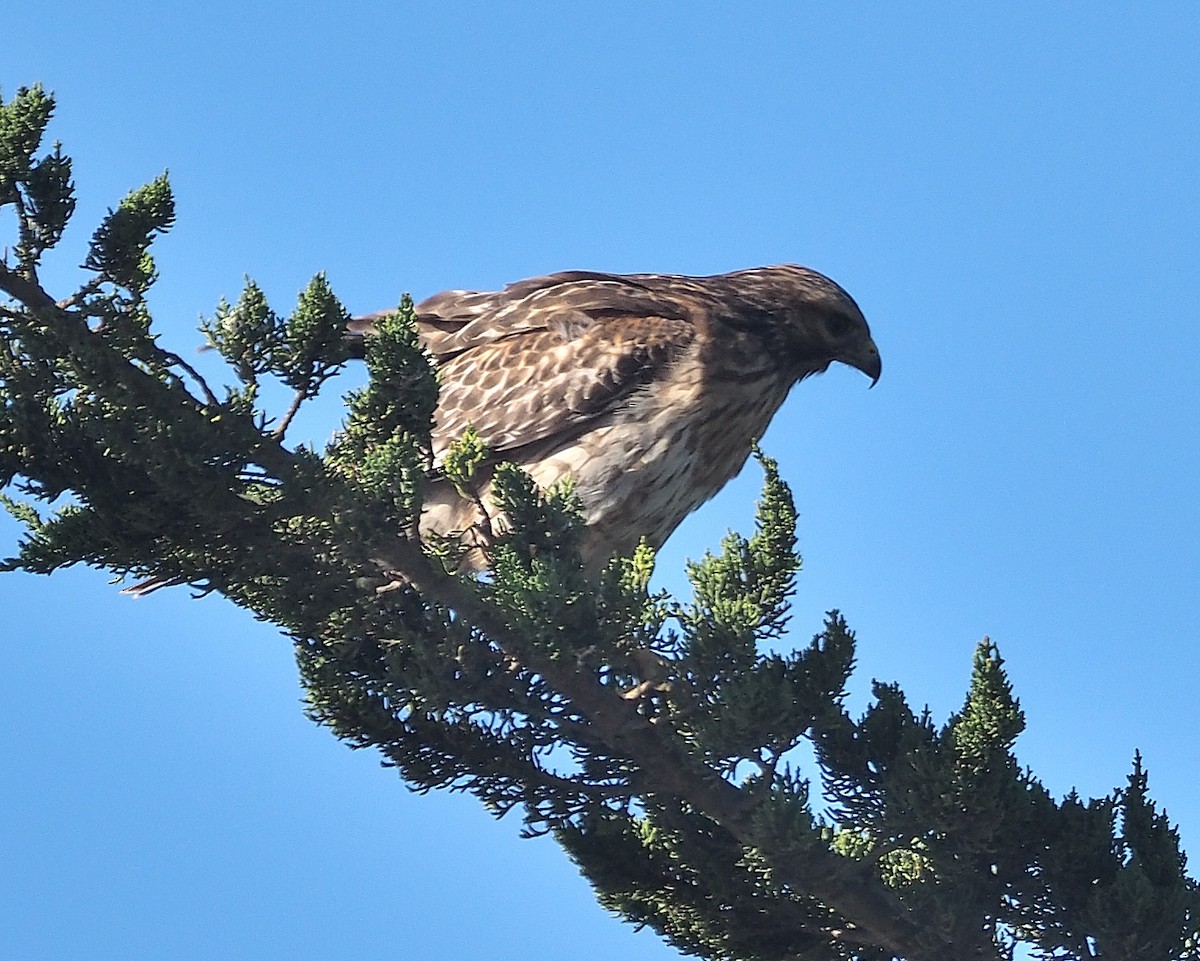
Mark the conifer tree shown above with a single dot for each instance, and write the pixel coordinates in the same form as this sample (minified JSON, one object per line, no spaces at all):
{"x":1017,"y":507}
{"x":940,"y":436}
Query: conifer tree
{"x":655,"y":738}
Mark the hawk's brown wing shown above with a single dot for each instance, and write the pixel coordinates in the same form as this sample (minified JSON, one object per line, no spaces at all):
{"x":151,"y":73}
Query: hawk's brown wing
{"x":546,"y":356}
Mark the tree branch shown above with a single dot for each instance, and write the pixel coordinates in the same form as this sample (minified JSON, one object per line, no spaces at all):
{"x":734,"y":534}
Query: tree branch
{"x":877,"y":918}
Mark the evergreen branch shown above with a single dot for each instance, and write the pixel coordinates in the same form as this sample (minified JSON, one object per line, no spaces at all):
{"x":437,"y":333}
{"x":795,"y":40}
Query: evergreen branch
{"x":613,"y":723}
{"x":25,"y":290}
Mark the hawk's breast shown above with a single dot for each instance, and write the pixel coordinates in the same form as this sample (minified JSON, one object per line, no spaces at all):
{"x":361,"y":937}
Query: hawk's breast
{"x":643,"y":468}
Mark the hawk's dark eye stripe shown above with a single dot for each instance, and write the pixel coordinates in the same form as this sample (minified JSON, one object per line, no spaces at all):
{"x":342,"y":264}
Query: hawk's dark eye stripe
{"x":838,"y":325}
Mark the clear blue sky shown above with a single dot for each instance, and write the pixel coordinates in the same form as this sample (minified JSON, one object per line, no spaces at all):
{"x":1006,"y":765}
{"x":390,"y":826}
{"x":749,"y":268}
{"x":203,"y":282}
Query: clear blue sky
{"x":1009,"y":191}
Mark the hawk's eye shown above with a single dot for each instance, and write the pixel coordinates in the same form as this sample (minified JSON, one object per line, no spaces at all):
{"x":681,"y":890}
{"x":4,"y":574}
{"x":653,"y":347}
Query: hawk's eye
{"x":838,"y":325}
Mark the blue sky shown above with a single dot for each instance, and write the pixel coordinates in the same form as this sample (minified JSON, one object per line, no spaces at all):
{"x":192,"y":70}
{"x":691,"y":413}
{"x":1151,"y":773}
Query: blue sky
{"x":1009,"y":192}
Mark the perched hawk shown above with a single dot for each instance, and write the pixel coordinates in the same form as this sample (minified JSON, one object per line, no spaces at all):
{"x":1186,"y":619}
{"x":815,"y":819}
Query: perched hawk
{"x":647,"y":389}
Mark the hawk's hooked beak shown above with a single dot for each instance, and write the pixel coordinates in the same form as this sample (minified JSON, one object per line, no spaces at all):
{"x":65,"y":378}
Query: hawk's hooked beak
{"x":865,"y":357}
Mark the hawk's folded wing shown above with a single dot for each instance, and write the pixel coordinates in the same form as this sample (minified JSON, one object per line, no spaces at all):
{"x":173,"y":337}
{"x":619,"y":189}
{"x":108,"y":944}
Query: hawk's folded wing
{"x":547,"y":356}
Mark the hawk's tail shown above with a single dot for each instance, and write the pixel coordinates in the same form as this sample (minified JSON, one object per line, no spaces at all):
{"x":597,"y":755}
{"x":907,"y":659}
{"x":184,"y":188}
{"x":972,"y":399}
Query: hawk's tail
{"x":357,"y":332}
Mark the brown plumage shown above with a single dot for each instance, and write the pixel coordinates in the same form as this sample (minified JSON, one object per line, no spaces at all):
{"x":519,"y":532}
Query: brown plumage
{"x":647,"y":389}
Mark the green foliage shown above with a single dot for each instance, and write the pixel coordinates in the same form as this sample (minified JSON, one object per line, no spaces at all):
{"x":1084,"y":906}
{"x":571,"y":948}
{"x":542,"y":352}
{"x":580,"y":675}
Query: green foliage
{"x":1115,"y":873}
{"x":50,"y":196}
{"x":547,"y":529}
{"x":313,"y":342}
{"x":752,"y":704}
{"x":402,"y":394}
{"x":41,"y":190}
{"x":120,"y":250}
{"x":302,"y":350}
{"x":742,"y":593}
{"x":23,"y":123}
{"x":463,"y":460}
{"x":384,"y":446}
{"x":707,"y":780}
{"x":695,"y":884}
{"x":247,"y":334}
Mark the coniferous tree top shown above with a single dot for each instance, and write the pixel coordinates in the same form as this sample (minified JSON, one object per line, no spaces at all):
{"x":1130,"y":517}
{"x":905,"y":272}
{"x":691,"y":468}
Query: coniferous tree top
{"x":655,"y":738}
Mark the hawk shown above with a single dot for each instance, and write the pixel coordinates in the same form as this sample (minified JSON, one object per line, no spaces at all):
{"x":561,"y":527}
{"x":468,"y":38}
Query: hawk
{"x":648,"y":390}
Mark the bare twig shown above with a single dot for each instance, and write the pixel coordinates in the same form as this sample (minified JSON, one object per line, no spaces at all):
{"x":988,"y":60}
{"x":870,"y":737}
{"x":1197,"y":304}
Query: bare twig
{"x":293,"y":409}
{"x":91,"y":287}
{"x":176,"y":361}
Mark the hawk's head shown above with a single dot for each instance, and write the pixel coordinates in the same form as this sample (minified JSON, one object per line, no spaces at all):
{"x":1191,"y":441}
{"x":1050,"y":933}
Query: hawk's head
{"x":808,"y":320}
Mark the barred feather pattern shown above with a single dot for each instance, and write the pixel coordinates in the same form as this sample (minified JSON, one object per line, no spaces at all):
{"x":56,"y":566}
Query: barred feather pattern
{"x":648,"y":390}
